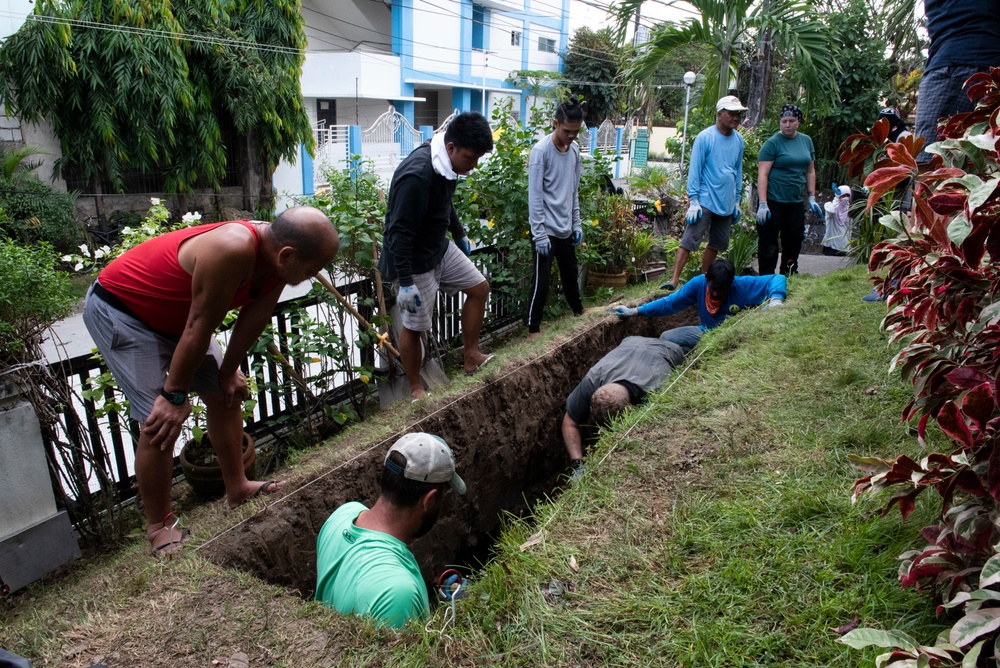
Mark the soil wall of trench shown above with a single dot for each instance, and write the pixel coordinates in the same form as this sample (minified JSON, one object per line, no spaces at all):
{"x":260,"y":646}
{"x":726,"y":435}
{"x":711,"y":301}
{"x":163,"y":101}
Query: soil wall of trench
{"x":508,"y":448}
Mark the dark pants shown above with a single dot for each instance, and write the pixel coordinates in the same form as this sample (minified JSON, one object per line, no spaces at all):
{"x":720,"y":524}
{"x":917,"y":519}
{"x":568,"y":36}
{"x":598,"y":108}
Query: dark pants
{"x":565,"y":254}
{"x":788,"y":221}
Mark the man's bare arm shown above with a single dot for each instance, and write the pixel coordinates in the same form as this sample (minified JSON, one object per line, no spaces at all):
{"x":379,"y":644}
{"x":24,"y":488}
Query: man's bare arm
{"x":219,"y":262}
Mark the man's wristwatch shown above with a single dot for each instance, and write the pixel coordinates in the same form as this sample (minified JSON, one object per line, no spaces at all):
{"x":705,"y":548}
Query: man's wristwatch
{"x":176,"y":398}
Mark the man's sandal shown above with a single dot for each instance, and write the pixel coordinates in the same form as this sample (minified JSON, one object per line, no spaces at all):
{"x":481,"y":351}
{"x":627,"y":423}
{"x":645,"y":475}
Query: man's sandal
{"x":173,"y":545}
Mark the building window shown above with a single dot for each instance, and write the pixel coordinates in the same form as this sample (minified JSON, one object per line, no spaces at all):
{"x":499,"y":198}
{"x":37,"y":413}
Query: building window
{"x":479,"y":29}
{"x":515,"y":38}
{"x":546,"y":44}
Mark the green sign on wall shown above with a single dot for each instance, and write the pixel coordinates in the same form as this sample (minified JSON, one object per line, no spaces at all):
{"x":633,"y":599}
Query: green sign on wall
{"x":641,"y":148}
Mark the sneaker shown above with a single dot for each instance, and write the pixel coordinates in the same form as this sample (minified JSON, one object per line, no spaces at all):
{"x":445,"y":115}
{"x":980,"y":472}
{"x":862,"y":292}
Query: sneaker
{"x":668,"y":286}
{"x":873,"y":297}
{"x":577,"y":470}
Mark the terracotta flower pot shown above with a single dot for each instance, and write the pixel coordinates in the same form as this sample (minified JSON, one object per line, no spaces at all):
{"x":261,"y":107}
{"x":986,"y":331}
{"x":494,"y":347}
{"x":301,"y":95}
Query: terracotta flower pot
{"x":598,"y":280}
{"x":206,"y":478}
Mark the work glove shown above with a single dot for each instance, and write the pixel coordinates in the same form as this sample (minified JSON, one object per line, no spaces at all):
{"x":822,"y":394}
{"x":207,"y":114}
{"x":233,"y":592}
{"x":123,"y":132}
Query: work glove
{"x":465,"y":246}
{"x":763,"y":213}
{"x":409,"y":298}
{"x":543,"y":247}
{"x":693,"y":212}
{"x":736,"y":213}
{"x":577,"y":237}
{"x":835,"y":188}
{"x":624,"y":311}
{"x":816,"y":208}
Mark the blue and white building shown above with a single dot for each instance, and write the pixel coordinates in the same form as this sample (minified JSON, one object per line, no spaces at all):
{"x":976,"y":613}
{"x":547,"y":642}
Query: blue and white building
{"x":400,"y":68}
{"x":425,"y":57}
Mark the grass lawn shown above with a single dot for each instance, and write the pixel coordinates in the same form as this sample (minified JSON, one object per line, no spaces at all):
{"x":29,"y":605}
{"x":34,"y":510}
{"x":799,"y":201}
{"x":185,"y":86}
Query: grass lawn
{"x":713,"y":528}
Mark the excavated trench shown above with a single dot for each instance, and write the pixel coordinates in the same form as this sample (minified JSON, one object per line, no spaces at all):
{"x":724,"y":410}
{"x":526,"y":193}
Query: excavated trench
{"x":508,"y":446}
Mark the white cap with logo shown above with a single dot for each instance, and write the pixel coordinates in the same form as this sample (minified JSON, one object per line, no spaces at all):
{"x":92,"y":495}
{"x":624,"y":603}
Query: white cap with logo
{"x":428,"y":459}
{"x":729,"y":103}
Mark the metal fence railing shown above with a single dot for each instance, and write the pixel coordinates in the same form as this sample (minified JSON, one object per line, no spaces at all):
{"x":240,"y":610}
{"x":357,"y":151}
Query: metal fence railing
{"x":114,"y":437}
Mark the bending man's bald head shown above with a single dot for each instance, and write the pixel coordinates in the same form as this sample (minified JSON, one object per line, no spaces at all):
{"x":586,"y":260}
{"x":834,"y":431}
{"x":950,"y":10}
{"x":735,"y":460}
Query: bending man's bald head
{"x":308,"y":231}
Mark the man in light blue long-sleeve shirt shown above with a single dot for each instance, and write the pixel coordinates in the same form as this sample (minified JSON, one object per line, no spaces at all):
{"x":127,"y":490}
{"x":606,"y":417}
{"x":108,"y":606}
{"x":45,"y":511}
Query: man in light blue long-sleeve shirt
{"x":554,"y":169}
{"x":715,"y":175}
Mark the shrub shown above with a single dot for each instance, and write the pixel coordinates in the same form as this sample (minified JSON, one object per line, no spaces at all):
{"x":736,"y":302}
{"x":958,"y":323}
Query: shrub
{"x":942,"y":271}
{"x":34,"y":211}
{"x":33,"y":295}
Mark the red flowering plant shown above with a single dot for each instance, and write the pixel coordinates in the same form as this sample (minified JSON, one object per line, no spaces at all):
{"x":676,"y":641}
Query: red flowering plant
{"x":941,"y":274}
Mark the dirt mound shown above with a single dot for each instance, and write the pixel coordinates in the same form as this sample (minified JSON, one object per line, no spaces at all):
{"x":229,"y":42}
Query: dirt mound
{"x":508,"y":446}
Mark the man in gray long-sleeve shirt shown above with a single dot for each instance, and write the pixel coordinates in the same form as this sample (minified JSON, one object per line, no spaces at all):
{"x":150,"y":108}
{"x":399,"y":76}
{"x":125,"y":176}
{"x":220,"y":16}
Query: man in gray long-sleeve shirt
{"x":554,"y":170}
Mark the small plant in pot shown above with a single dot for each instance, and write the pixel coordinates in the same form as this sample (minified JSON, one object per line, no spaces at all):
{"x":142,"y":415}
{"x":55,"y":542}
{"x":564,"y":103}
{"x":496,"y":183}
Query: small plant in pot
{"x":199,"y":461}
{"x":609,"y":240}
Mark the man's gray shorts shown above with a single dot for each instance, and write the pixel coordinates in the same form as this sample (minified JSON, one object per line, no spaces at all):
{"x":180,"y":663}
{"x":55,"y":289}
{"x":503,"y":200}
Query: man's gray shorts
{"x":718,"y":228}
{"x":454,"y":272}
{"x":139,"y":358}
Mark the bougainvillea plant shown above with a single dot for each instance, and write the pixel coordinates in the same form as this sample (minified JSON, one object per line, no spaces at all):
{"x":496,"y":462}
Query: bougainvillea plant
{"x":940,"y":273}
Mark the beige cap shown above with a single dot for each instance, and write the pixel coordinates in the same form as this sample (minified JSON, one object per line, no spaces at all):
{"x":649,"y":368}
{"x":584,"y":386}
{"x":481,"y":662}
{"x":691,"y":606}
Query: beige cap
{"x":428,"y":459}
{"x":729,"y":103}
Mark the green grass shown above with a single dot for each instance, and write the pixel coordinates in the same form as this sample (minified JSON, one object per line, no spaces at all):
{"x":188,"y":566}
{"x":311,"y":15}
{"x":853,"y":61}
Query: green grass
{"x":718,"y":530}
{"x":714,"y":528}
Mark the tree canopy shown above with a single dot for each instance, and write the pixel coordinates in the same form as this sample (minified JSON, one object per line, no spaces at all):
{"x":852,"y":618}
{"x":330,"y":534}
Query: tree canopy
{"x":734,"y":28}
{"x":142,"y":85}
{"x":592,"y":67}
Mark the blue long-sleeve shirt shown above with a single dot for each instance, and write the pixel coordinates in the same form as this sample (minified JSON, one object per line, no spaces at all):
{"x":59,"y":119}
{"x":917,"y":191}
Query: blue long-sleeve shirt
{"x":746,"y":292}
{"x":715,"y":174}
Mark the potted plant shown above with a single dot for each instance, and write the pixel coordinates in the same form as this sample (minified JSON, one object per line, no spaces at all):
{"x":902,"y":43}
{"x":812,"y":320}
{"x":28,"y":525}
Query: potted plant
{"x":198,"y":459}
{"x":609,"y":242}
{"x":199,"y":462}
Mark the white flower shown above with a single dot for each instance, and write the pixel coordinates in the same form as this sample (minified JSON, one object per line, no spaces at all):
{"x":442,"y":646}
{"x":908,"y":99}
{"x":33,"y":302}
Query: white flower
{"x":155,"y":201}
{"x":84,"y":249}
{"x":126,"y":230}
{"x":78,"y":267}
{"x":66,"y":258}
{"x":189,"y":217}
{"x":99,"y":253}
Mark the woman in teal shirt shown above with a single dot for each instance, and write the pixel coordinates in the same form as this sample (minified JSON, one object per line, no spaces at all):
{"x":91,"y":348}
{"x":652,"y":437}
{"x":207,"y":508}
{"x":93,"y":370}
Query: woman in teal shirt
{"x":786,"y":162}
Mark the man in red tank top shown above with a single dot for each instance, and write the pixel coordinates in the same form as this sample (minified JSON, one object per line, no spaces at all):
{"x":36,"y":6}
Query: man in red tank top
{"x":153,"y":313}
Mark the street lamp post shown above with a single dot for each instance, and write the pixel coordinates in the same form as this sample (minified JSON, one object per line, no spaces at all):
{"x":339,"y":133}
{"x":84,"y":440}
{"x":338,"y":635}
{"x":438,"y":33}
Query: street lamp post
{"x":689,"y":78}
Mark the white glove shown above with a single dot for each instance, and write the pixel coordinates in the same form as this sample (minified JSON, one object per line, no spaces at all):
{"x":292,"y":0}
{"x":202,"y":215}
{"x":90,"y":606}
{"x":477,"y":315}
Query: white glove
{"x":409,"y":298}
{"x":543,"y":247}
{"x":693,"y":212}
{"x":814,"y":206}
{"x":763,"y":213}
{"x":624,"y":311}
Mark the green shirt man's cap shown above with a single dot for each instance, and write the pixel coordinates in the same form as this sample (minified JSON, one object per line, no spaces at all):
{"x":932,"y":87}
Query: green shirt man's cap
{"x":428,"y":459}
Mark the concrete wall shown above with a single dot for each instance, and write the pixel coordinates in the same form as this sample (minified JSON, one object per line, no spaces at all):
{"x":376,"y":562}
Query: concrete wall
{"x":437,"y":30}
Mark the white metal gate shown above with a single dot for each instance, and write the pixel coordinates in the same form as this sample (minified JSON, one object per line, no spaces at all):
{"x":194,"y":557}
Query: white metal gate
{"x":606,"y":137}
{"x":332,"y":151}
{"x":389,"y":139}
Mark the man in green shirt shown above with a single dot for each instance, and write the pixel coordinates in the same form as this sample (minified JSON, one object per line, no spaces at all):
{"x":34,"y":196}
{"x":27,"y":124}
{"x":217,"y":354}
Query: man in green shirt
{"x":362,"y":563}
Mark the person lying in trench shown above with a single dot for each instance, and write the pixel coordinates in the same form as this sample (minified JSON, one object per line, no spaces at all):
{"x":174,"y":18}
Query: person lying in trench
{"x":363,"y":564}
{"x":718,"y":294}
{"x":640,"y":364}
